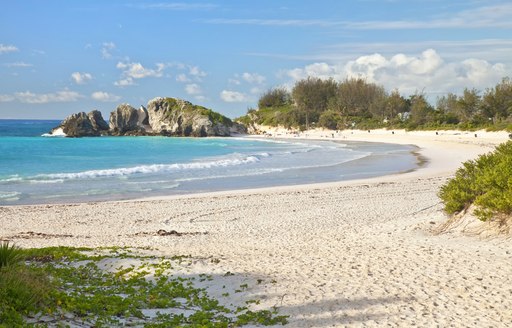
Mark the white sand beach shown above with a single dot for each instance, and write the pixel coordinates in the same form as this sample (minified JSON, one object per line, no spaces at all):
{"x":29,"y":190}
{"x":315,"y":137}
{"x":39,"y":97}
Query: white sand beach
{"x":354,"y":253}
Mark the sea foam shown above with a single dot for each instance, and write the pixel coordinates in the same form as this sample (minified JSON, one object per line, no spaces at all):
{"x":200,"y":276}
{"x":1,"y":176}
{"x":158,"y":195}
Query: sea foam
{"x":154,"y":168}
{"x":55,"y":133}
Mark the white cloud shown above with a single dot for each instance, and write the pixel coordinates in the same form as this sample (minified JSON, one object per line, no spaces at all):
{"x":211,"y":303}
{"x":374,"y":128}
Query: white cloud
{"x":137,"y":71}
{"x":18,"y":64}
{"x":124,"y":82}
{"x":131,"y":71}
{"x":42,"y":98}
{"x":233,"y":96}
{"x":182,"y":78}
{"x":276,"y":22}
{"x":196,"y":72}
{"x":7,"y":98}
{"x":81,"y":78}
{"x":481,"y":72}
{"x":234,"y":81}
{"x":106,"y":49}
{"x":253,"y":78}
{"x":494,"y":16}
{"x":320,"y":70}
{"x":427,"y":71}
{"x":193,"y":89}
{"x":5,"y":48}
{"x":104,"y":96}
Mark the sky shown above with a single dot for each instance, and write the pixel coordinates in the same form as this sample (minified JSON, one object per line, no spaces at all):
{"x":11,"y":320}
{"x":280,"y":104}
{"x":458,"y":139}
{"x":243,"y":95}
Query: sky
{"x":62,"y":57}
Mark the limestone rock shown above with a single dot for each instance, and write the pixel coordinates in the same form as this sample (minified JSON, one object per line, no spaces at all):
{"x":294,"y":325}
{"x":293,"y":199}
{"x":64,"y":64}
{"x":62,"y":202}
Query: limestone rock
{"x":97,"y":121}
{"x":126,"y":120}
{"x":177,"y":117}
{"x":237,"y":128}
{"x":78,"y":125}
{"x":163,"y":116}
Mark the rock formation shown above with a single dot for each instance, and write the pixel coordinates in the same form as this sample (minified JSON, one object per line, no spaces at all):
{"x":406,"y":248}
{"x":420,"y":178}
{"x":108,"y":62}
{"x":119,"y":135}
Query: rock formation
{"x":82,"y":125}
{"x":126,"y":120}
{"x":177,"y":117}
{"x":97,"y":121}
{"x":163,"y":116}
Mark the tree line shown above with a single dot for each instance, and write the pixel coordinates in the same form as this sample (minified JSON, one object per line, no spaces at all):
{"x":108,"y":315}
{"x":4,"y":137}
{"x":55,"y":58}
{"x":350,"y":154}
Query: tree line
{"x":357,"y":103}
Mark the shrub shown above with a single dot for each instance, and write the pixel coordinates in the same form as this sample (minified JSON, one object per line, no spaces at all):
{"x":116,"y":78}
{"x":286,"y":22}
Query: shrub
{"x":485,"y":182}
{"x":330,"y":119}
{"x":22,"y":290}
{"x":9,"y":254}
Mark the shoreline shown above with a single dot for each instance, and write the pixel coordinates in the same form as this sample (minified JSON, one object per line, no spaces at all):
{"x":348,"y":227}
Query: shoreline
{"x":428,"y":145}
{"x":379,"y":159}
{"x":349,"y":253}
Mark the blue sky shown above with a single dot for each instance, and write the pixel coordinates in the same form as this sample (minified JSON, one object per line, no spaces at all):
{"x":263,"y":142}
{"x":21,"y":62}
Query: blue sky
{"x":61,"y":57}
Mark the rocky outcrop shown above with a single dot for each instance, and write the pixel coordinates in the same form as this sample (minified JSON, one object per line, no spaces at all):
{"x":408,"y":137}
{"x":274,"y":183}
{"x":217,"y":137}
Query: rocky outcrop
{"x":126,"y":120}
{"x":163,"y":116}
{"x":237,"y":128}
{"x":97,"y":121}
{"x":82,"y":125}
{"x":177,"y":117}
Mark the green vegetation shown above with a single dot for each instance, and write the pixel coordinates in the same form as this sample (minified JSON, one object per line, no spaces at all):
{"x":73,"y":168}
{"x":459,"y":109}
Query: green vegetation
{"x":9,"y":254}
{"x":215,"y":117}
{"x":485,"y":182}
{"x":356,"y":103}
{"x":277,"y":97}
{"x":187,"y":107}
{"x":90,"y":287}
{"x":22,"y":290}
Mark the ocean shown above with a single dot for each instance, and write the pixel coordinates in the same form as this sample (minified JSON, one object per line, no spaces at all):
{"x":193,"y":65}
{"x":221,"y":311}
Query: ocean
{"x":39,"y":170}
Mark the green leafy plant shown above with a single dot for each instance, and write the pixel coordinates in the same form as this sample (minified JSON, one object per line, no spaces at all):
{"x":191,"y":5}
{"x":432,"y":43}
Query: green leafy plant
{"x":485,"y":182}
{"x":86,"y":287}
{"x":10,"y":254}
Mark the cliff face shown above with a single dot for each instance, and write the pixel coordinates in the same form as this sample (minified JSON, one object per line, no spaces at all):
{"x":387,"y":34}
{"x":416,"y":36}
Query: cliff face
{"x":163,"y":116}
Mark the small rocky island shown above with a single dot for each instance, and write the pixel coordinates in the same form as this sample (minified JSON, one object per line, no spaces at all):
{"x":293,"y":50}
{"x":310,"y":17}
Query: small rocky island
{"x":162,"y":116}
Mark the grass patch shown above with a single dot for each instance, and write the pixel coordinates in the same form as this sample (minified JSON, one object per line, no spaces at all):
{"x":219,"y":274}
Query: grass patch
{"x":112,"y":287}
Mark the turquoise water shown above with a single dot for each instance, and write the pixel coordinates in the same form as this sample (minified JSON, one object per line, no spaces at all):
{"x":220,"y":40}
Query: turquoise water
{"x":36,"y":169}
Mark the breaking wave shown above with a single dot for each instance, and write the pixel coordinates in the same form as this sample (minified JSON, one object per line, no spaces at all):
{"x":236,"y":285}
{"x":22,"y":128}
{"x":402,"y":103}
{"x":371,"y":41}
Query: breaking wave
{"x":154,"y":168}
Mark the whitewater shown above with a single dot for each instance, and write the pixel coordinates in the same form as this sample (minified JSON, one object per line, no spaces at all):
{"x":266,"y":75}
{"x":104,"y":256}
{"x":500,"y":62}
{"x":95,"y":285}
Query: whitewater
{"x":35,"y":169}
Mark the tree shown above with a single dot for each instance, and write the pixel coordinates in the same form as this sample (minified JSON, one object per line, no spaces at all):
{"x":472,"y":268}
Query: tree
{"x":357,"y":97}
{"x":312,"y":96}
{"x":420,"y":109}
{"x":448,"y":104}
{"x":395,"y":104}
{"x":497,"y":102}
{"x":276,"y":97}
{"x":468,"y":105}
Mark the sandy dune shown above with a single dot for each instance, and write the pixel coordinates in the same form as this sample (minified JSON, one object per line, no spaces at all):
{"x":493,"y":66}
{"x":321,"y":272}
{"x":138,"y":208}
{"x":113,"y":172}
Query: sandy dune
{"x":357,"y":253}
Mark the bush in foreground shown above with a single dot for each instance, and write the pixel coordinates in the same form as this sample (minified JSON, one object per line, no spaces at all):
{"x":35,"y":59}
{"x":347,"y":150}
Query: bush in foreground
{"x":485,"y":182}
